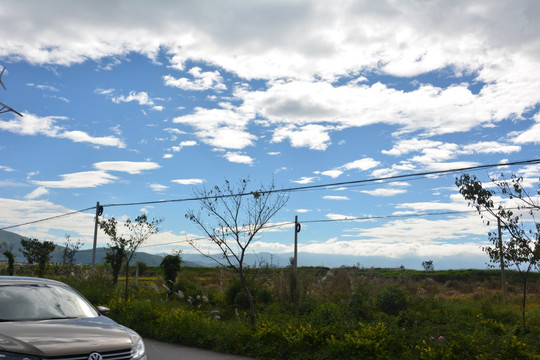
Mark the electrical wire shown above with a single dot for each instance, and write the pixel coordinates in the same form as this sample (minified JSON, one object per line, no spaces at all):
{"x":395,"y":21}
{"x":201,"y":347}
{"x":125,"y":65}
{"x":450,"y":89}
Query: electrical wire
{"x":49,"y":218}
{"x":303,"y":188}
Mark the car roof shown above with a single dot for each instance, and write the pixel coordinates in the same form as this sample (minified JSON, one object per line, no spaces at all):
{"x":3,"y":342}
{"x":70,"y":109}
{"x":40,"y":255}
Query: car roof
{"x":5,"y":280}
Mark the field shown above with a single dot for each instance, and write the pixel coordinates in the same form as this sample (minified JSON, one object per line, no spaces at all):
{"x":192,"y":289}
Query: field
{"x":341,"y":313}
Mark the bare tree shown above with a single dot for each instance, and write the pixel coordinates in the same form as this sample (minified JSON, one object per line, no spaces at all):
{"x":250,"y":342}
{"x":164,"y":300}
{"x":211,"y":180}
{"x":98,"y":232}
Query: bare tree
{"x":231,"y":217}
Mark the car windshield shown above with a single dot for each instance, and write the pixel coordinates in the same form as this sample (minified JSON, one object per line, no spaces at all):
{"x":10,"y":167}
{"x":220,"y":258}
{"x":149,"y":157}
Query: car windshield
{"x":23,"y":302}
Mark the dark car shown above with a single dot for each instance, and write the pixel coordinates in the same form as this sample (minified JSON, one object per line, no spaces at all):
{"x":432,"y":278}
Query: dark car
{"x":47,"y":320}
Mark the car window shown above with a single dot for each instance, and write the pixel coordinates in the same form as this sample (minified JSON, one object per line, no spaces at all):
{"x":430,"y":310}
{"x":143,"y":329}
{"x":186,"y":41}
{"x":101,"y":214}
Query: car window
{"x":42,"y":301}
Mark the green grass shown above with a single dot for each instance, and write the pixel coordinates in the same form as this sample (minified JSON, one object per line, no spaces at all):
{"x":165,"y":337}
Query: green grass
{"x":344,"y":313}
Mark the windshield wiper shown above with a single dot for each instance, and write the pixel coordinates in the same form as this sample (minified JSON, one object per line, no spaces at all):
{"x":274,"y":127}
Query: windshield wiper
{"x":59,"y":318}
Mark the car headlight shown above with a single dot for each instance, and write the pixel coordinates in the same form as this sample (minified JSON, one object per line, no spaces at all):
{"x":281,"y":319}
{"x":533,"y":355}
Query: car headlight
{"x":13,"y":356}
{"x":137,"y":348}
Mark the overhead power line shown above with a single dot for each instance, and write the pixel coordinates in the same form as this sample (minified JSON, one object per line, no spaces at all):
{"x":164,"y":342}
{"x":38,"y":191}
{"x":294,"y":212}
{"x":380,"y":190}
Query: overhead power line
{"x":343,"y":183}
{"x":49,"y":218}
{"x":303,"y":188}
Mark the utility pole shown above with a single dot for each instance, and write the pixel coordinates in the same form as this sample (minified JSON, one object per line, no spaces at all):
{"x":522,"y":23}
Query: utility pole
{"x":294,"y":282}
{"x":503,"y":278}
{"x":99,"y":211}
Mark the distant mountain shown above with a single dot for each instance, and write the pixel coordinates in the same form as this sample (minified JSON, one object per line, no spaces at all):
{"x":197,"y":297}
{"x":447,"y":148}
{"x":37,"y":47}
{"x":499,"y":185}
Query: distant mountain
{"x":273,"y":260}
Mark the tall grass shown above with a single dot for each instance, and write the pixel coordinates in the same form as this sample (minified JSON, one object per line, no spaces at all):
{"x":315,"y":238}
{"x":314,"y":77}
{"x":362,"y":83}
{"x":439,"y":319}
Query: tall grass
{"x":345,"y":313}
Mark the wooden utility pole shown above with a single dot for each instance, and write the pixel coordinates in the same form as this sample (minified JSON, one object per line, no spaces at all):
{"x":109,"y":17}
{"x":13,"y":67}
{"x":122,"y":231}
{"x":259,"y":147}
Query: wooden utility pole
{"x":99,"y":209}
{"x":501,"y":253}
{"x":294,"y":279}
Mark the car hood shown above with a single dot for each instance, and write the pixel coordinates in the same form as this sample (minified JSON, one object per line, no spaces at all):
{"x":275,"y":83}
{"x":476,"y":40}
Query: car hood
{"x":63,"y":337}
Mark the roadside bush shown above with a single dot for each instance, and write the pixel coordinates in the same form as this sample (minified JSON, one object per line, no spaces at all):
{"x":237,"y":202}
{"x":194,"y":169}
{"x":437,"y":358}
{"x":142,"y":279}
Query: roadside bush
{"x":236,"y":296}
{"x":328,"y":314}
{"x":187,"y":289}
{"x":392,"y":300}
{"x":97,"y":286}
{"x":367,"y":342}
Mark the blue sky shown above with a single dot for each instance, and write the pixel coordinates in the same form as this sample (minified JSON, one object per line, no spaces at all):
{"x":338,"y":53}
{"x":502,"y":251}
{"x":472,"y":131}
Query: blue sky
{"x":128,"y":102}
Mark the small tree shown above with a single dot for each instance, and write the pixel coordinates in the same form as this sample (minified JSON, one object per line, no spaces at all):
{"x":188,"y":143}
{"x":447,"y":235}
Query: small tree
{"x":7,"y":251}
{"x":38,"y":252}
{"x":139,"y":231}
{"x":124,"y":248}
{"x":428,"y":265}
{"x":522,"y":249}
{"x":170,"y":265}
{"x":69,"y":252}
{"x":116,"y":251}
{"x":234,"y":217}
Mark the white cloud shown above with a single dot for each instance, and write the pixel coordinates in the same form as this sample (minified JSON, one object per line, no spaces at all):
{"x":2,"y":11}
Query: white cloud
{"x":314,"y":137}
{"x":332,"y":173}
{"x":237,"y":157}
{"x":222,"y":128}
{"x":384,"y":192}
{"x":302,"y":211}
{"x":131,"y":167}
{"x":188,"y":181}
{"x":529,"y":136}
{"x":85,"y":179}
{"x":362,"y":164}
{"x":305,"y":180}
{"x":14,"y":211}
{"x":158,"y":187}
{"x":38,"y":192}
{"x":333,"y":197}
{"x":183,"y":144}
{"x":6,"y":168}
{"x":31,"y":124}
{"x":203,"y":80}
{"x":337,"y":216}
{"x":140,"y":97}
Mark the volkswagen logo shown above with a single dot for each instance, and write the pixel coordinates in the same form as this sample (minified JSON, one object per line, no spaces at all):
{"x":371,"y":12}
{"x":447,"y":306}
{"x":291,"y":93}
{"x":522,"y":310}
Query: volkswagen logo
{"x":95,"y":356}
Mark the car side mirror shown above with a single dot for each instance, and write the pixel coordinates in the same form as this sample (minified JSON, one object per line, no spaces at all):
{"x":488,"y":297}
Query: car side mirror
{"x":103,"y":310}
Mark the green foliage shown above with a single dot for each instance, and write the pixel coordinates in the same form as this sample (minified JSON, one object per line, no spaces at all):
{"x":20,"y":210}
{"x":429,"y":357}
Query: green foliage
{"x":115,"y":257}
{"x":170,"y":265}
{"x":236,"y":296}
{"x":38,"y":252}
{"x":475,"y":323}
{"x":392,"y":300}
{"x":8,"y":253}
{"x":96,"y":286}
{"x":187,"y":289}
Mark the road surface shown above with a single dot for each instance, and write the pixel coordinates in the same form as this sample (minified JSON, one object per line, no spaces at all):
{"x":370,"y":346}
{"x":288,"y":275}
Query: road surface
{"x":158,"y":350}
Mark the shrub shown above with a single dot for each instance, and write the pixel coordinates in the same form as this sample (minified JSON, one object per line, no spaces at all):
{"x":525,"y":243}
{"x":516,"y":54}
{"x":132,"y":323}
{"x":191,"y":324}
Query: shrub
{"x":392,"y":300}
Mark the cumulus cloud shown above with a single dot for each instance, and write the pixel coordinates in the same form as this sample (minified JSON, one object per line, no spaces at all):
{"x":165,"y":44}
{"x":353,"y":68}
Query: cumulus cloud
{"x":203,"y":80}
{"x":223,"y":128}
{"x":237,"y":157}
{"x":183,"y":144}
{"x":141,"y":97}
